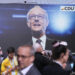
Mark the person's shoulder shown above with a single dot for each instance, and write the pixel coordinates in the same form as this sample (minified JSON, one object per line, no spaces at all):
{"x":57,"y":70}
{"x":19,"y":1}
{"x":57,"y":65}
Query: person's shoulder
{"x":52,"y":66}
{"x":49,"y":43}
{"x":54,"y":70}
{"x":50,"y":39}
{"x":5,"y":60}
{"x":35,"y":70}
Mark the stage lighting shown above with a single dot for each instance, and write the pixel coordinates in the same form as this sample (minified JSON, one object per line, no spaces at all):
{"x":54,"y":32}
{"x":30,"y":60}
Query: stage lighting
{"x":60,"y":23}
{"x":19,"y":16}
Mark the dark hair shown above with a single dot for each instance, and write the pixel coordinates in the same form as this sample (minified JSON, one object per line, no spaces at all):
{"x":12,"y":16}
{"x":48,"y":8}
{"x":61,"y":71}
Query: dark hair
{"x":11,"y":50}
{"x":54,"y":42}
{"x":57,"y":51}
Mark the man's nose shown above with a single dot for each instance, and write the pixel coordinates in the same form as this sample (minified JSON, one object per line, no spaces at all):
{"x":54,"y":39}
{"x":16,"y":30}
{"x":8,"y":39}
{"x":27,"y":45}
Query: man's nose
{"x":36,"y":19}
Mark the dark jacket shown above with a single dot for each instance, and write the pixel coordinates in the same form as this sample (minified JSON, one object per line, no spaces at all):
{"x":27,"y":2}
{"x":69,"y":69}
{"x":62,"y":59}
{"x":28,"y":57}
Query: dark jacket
{"x":40,"y":61}
{"x":54,"y":69}
{"x":33,"y":71}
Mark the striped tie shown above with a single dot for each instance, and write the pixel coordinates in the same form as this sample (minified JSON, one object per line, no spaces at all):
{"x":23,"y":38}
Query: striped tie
{"x":38,"y":41}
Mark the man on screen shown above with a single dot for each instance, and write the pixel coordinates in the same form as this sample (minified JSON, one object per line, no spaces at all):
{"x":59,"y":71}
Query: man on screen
{"x":37,"y":21}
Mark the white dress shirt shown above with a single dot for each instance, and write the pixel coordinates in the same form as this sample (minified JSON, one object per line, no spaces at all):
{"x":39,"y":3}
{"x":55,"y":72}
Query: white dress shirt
{"x":25,"y":70}
{"x":43,"y":41}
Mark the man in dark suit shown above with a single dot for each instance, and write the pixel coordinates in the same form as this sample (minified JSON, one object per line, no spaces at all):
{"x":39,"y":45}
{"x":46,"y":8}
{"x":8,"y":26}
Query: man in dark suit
{"x":25,"y":57}
{"x":41,"y":59}
{"x":37,"y":21}
{"x":60,"y":57}
{"x":33,"y":71}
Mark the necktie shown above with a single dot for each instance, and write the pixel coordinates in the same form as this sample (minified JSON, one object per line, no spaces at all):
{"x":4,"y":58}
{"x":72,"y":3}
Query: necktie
{"x":38,"y":41}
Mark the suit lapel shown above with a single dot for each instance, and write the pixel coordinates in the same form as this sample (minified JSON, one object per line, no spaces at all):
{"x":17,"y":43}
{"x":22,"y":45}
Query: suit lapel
{"x":30,"y":71}
{"x":48,"y":45}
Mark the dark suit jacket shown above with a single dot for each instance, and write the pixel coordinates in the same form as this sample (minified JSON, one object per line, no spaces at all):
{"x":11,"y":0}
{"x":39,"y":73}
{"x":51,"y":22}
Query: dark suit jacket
{"x":48,"y":45}
{"x":41,"y":61}
{"x":33,"y":71}
{"x":54,"y":69}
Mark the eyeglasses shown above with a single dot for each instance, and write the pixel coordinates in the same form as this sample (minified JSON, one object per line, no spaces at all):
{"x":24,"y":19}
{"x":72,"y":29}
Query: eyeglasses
{"x":23,"y":56}
{"x":40,"y":16}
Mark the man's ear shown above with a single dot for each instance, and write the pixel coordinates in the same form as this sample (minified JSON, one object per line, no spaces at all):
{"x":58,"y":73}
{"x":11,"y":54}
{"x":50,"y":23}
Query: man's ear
{"x":47,"y":23}
{"x":28,"y":23}
{"x":62,"y":55}
{"x":32,"y":58}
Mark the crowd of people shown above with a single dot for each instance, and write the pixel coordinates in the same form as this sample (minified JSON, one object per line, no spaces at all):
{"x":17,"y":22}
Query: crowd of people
{"x":41,"y":55}
{"x":33,"y":60}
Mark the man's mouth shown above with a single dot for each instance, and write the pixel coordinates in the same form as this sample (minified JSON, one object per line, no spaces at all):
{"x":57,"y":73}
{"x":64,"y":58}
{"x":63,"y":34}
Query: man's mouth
{"x":36,"y":25}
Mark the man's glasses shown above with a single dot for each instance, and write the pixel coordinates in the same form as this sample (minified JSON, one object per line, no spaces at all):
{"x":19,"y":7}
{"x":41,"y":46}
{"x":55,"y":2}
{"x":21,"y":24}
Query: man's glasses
{"x":40,"y":16}
{"x":23,"y":56}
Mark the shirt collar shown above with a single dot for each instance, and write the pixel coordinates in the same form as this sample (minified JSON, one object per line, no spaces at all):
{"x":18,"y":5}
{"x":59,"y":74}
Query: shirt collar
{"x":41,"y":38}
{"x":25,"y":70}
{"x":58,"y":63}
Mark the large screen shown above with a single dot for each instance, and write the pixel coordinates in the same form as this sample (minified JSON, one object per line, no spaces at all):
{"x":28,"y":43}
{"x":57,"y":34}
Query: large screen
{"x":15,"y":32}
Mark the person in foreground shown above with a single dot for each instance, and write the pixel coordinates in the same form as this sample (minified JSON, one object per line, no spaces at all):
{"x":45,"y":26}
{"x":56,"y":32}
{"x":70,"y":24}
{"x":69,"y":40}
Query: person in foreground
{"x":8,"y":66}
{"x":25,"y":57}
{"x":41,"y":60}
{"x":1,"y":58}
{"x":60,"y":56}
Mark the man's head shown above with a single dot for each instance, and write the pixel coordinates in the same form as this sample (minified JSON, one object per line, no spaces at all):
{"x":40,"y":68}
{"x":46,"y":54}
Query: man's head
{"x":37,"y":19}
{"x":11,"y":52}
{"x":25,"y":56}
{"x":60,"y":53}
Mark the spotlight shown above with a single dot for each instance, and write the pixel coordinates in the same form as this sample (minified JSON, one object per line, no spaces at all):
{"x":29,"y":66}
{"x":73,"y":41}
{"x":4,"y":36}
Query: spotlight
{"x":60,"y":23}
